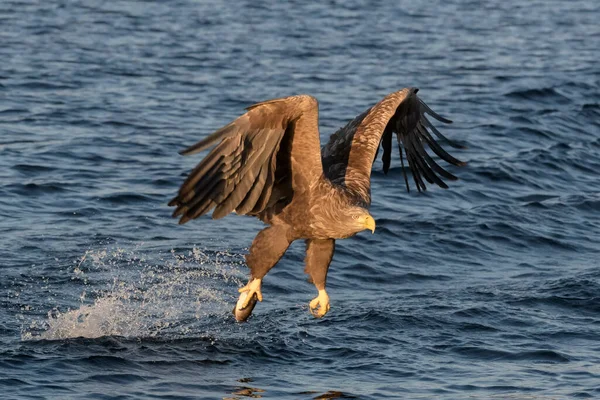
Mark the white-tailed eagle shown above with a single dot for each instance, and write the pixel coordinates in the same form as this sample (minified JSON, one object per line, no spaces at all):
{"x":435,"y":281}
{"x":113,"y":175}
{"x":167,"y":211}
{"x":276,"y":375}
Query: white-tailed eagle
{"x":269,"y":163}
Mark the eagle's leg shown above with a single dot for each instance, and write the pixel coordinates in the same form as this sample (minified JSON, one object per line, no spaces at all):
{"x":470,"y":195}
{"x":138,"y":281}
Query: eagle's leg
{"x":267,"y":248}
{"x":319,"y":253}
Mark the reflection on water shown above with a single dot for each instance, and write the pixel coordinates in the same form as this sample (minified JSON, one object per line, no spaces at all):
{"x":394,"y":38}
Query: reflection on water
{"x":245,"y":391}
{"x":333,"y":394}
{"x":257,"y":393}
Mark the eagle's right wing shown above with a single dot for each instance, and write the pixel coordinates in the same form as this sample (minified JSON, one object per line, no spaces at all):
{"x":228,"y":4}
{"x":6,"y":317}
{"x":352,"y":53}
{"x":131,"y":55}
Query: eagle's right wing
{"x":272,"y":146}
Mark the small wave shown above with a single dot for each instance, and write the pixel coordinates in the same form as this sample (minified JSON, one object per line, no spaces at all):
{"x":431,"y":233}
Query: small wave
{"x":11,"y":111}
{"x":32,"y":168}
{"x":544,"y":95}
{"x":535,"y":197}
{"x":590,"y":202}
{"x":126,"y":198}
{"x":372,"y":274}
{"x":81,"y":212}
{"x":474,"y":327}
{"x":104,"y":360}
{"x":591,"y":110}
{"x":501,"y":172}
{"x":495,"y":354}
{"x":35,"y":189}
{"x":576,"y":293}
{"x":120,"y":379}
{"x":119,"y":124}
{"x":475,"y":312}
{"x":45,"y":85}
{"x":541,"y":133}
{"x":12,"y":382}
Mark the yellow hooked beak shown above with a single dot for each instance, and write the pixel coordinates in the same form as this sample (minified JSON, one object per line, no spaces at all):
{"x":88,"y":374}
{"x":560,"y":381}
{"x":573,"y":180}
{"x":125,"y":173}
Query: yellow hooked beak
{"x":370,"y":224}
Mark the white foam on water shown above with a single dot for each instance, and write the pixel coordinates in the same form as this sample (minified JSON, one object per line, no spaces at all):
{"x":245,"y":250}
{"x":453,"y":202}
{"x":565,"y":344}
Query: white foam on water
{"x":128,"y":295}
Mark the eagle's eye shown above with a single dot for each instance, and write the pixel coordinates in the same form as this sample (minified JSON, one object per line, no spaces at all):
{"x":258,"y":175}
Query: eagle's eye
{"x":355,"y":216}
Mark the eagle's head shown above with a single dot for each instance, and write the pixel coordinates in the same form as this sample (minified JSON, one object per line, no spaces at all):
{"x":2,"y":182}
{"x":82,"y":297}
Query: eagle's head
{"x":340,"y":221}
{"x":348,"y":221}
{"x":361,"y":220}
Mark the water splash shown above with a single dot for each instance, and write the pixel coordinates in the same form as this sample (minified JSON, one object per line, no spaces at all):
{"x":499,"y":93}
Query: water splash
{"x":128,"y":294}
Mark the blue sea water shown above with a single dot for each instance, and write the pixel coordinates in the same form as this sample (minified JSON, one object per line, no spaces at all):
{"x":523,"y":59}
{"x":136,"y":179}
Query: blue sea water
{"x":487,"y":290}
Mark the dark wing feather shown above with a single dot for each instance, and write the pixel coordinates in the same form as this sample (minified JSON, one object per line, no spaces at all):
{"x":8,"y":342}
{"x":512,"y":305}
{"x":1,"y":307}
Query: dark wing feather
{"x":239,"y":173}
{"x":402,"y":163}
{"x":349,"y":155}
{"x":386,"y":143}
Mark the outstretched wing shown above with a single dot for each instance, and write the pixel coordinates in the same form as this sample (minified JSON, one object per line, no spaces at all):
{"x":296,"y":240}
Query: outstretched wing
{"x":349,"y":155}
{"x":273,"y":146}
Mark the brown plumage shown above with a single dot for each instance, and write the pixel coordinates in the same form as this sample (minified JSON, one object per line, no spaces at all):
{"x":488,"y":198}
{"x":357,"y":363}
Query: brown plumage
{"x":268,"y":163}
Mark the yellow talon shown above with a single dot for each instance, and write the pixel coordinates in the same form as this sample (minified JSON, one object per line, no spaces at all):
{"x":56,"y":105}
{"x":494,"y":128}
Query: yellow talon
{"x":319,"y":306}
{"x":252,"y":288}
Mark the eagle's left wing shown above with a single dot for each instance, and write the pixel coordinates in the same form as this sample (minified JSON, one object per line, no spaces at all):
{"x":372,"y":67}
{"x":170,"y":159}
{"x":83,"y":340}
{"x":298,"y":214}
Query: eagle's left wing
{"x":349,"y":155}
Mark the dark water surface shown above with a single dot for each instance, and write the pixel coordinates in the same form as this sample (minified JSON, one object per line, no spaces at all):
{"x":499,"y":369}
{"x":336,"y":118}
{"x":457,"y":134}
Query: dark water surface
{"x":490,"y":289}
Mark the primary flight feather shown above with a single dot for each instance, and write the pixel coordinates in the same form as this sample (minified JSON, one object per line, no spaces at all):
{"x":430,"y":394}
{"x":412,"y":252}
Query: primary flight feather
{"x":268,"y":163}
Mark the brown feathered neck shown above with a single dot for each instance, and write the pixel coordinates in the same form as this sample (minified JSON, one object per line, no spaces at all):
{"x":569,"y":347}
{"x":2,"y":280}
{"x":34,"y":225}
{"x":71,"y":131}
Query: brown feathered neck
{"x":354,"y":191}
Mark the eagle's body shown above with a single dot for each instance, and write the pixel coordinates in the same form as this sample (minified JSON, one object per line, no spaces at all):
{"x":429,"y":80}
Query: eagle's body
{"x":268,"y":163}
